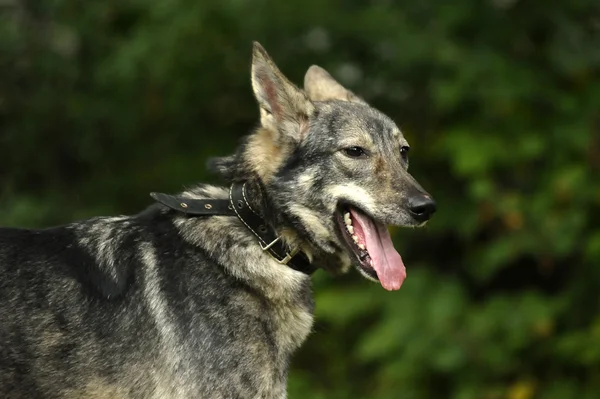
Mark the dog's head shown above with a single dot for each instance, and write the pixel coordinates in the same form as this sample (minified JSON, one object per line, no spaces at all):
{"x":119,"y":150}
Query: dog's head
{"x":335,"y":169}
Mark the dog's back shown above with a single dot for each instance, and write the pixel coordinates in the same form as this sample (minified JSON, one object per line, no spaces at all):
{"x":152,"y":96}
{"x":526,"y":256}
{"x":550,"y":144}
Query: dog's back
{"x":124,"y":307}
{"x":53,"y":308}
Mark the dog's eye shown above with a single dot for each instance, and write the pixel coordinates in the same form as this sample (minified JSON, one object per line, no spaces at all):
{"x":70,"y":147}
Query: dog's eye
{"x":355,"y":152}
{"x":404,"y":151}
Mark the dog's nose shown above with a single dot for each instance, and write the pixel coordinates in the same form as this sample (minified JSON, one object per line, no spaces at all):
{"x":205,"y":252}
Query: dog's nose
{"x":421,"y":207}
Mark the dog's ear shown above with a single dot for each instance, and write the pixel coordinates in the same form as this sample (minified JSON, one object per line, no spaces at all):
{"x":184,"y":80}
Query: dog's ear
{"x":321,"y":86}
{"x":284,"y":109}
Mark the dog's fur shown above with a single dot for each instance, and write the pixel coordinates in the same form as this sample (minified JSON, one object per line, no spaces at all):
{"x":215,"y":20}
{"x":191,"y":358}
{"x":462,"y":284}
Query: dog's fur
{"x":161,"y":305}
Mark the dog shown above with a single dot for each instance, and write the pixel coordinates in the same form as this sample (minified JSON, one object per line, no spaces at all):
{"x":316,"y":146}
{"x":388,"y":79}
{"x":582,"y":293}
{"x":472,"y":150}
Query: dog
{"x":206,"y":294}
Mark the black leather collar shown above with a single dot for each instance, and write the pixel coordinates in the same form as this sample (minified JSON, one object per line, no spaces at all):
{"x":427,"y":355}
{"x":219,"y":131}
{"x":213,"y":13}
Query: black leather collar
{"x":238,"y":205}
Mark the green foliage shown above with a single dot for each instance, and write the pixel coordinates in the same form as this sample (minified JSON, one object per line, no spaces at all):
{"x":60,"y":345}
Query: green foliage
{"x":103,"y":102}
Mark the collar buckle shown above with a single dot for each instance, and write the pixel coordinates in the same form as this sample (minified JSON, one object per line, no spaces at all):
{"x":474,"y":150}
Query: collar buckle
{"x":266,"y":247}
{"x":288,"y":255}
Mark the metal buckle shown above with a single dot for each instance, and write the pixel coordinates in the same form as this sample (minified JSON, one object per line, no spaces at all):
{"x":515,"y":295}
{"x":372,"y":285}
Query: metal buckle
{"x":269,"y":245}
{"x":288,"y":255}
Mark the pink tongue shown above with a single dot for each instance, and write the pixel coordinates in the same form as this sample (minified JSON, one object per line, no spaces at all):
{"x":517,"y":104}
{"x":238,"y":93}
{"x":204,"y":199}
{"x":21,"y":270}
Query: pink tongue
{"x":386,"y":260}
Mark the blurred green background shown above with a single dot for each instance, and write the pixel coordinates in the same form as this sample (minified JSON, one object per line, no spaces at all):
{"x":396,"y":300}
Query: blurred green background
{"x":102,"y":102}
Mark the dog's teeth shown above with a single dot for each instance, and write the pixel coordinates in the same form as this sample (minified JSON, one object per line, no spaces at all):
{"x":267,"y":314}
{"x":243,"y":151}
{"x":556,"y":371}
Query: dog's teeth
{"x":350,"y":229}
{"x":355,"y":238}
{"x":361,"y":246}
{"x":347,"y":219}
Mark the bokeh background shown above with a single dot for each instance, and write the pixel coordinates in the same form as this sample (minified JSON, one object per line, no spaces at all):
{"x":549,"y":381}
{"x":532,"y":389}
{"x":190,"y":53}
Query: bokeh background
{"x":102,"y":102}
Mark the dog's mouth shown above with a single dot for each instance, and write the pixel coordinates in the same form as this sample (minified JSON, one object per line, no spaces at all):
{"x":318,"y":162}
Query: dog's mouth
{"x":371,"y":244}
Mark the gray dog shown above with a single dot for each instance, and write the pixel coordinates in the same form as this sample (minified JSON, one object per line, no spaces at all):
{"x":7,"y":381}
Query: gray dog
{"x":206,"y":294}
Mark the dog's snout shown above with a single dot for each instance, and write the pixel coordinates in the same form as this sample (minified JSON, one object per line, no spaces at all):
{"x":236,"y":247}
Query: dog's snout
{"x":421,"y":207}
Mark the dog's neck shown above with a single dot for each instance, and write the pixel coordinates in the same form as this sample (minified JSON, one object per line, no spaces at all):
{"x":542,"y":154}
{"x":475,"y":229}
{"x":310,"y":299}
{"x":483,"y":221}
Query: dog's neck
{"x":247,"y":202}
{"x":255,"y":195}
{"x":259,"y":200}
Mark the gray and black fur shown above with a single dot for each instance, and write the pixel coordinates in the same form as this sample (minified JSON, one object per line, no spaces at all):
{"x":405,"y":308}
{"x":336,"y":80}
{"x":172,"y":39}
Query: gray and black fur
{"x":162,"y":305}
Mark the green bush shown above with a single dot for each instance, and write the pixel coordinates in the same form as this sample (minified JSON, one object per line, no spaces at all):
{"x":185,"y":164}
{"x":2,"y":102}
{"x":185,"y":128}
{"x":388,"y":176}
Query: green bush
{"x":103,"y":102}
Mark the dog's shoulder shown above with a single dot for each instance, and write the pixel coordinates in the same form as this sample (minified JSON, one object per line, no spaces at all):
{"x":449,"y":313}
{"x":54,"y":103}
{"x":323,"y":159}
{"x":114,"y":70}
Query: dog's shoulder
{"x":103,"y":255}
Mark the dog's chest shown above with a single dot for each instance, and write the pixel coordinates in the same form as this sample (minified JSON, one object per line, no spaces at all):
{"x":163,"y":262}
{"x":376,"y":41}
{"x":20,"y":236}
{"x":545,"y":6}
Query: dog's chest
{"x":293,"y":324}
{"x":240,"y":346}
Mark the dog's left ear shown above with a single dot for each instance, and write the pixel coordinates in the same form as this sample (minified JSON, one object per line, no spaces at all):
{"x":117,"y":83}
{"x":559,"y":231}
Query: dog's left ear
{"x":321,"y":86}
{"x":284,"y":109}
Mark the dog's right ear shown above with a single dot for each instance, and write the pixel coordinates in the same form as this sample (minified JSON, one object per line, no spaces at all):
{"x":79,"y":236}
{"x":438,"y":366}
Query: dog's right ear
{"x":284,"y":109}
{"x":321,"y":86}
